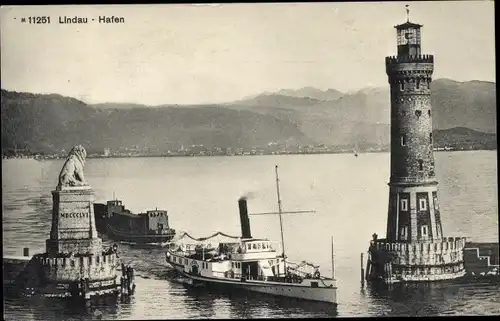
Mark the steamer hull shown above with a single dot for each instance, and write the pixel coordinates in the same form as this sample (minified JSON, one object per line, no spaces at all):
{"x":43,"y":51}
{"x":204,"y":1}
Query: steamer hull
{"x":200,"y":273}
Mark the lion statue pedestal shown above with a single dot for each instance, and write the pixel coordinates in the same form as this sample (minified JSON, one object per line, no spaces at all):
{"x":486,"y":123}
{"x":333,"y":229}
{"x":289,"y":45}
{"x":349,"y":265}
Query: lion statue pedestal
{"x":73,"y":222}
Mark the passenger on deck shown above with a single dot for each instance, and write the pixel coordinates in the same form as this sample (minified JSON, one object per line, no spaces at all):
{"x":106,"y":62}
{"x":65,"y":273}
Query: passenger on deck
{"x":317,"y":275}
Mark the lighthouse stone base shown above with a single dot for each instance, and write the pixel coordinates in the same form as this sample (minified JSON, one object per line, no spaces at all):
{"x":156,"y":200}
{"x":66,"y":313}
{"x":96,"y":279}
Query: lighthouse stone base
{"x":395,"y":262}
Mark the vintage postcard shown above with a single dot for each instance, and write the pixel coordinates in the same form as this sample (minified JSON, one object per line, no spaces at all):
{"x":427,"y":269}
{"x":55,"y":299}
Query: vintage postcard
{"x":249,"y":160}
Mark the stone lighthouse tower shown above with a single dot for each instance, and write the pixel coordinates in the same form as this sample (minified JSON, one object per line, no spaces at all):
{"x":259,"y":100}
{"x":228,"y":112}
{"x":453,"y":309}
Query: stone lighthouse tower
{"x":414,"y":248}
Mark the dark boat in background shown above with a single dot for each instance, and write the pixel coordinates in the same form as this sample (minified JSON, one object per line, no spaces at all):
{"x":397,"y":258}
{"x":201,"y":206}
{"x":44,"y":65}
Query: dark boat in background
{"x":120,"y":224}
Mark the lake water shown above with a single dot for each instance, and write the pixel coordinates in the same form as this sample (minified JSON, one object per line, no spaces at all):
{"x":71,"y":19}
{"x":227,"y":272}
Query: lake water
{"x":349,"y":195}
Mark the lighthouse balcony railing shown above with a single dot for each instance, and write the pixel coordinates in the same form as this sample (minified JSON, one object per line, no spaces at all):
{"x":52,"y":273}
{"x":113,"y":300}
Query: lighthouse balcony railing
{"x":407,"y":58}
{"x":412,"y":180}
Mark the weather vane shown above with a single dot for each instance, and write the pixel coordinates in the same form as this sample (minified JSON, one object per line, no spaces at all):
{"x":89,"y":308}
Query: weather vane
{"x":407,"y":13}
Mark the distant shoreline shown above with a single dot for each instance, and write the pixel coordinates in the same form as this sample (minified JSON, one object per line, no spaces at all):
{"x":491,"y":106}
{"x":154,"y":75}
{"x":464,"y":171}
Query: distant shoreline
{"x":41,"y":157}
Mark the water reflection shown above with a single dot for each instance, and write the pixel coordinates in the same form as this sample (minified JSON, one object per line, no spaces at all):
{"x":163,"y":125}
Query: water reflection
{"x":246,"y":304}
{"x":437,"y":298}
{"x":201,"y":302}
{"x":40,"y":308}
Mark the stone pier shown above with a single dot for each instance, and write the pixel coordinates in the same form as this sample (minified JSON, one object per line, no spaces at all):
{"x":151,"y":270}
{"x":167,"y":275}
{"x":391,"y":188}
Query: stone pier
{"x":75,"y":264}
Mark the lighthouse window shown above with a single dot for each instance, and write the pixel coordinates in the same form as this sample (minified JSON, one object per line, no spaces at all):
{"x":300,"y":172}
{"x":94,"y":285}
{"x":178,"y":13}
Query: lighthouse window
{"x":418,"y":113}
{"x":429,"y":112}
{"x":404,"y":233}
{"x":404,"y":204}
{"x":425,"y":230}
{"x":430,"y":138}
{"x":403,"y":140}
{"x":423,"y":204}
{"x":418,"y":84}
{"x":420,"y":165}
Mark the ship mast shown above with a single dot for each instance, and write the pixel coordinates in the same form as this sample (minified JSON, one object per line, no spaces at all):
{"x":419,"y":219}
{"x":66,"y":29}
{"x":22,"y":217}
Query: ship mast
{"x":281,"y":220}
{"x":280,"y":213}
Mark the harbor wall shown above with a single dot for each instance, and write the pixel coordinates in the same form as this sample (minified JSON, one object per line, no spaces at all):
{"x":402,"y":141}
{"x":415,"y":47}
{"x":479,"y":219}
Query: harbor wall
{"x":12,"y":267}
{"x":66,"y":269}
{"x":450,"y":259}
{"x":447,"y":251}
{"x":481,"y":258}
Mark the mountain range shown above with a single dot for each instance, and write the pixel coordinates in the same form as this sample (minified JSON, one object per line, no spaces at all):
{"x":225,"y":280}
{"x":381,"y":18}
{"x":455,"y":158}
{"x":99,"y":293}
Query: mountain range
{"x":49,"y":123}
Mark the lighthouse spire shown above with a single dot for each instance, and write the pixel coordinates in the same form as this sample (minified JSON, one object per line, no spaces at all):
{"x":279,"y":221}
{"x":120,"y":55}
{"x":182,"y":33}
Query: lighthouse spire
{"x":407,"y":13}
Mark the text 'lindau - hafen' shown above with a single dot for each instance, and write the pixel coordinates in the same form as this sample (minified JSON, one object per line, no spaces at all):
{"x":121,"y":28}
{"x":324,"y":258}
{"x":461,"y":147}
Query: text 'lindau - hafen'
{"x":101,"y":19}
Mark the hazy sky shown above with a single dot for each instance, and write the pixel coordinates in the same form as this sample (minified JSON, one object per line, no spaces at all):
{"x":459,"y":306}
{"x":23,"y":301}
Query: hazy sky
{"x":199,"y":53}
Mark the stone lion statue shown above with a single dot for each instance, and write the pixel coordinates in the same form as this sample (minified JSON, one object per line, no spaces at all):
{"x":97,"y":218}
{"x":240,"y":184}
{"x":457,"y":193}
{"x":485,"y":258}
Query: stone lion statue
{"x":72,"y":171}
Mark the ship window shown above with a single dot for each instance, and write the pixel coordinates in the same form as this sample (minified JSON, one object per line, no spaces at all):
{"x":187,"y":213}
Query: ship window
{"x":418,"y":113}
{"x":254,"y":246}
{"x":402,"y":86}
{"x":259,"y":246}
{"x":423,"y":204}
{"x":404,"y":204}
{"x":97,"y":259}
{"x":232,"y":264}
{"x":72,"y":263}
{"x":418,"y":83}
{"x":249,"y":246}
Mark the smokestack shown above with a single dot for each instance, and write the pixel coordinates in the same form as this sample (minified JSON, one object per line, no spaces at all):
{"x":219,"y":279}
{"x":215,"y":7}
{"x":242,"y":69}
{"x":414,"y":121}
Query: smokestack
{"x":245,"y":222}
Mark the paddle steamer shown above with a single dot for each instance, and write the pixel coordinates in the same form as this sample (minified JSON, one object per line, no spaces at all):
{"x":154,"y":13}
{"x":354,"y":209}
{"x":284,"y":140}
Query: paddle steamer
{"x":248,"y":263}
